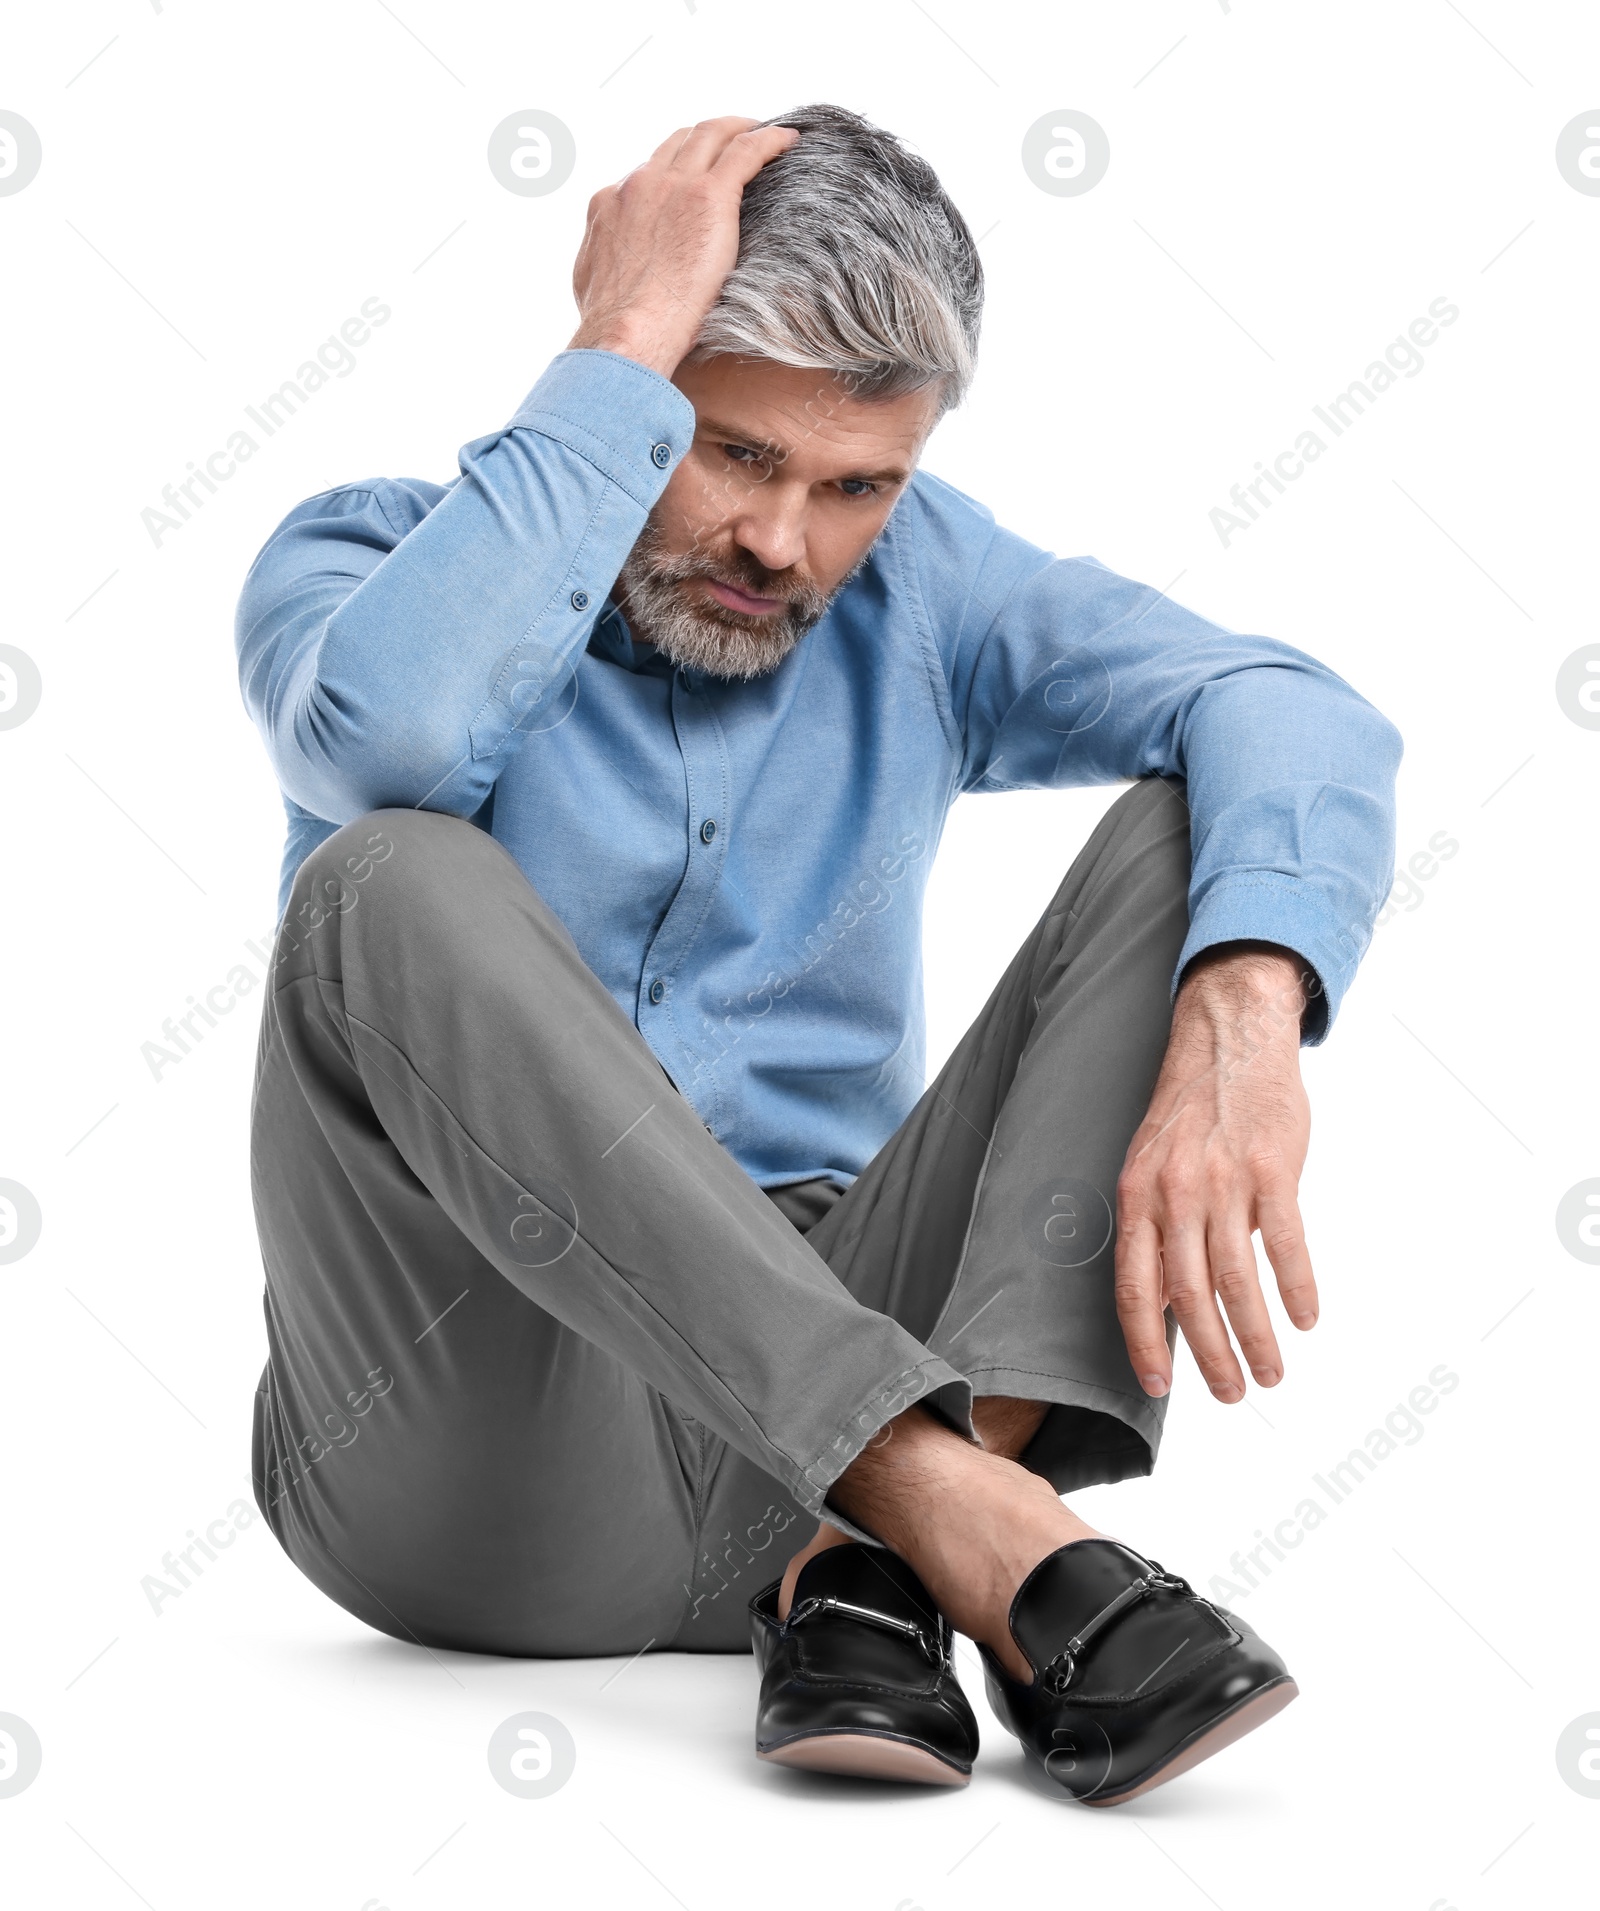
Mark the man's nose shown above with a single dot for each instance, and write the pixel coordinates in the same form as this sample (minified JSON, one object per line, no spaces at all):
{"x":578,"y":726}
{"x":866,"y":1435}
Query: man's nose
{"x":772,"y":530}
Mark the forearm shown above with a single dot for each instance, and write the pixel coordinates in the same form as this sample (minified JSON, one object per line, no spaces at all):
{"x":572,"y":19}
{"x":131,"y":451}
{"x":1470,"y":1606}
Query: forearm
{"x":1250,"y":994}
{"x":406,"y":674}
{"x":1289,"y":777}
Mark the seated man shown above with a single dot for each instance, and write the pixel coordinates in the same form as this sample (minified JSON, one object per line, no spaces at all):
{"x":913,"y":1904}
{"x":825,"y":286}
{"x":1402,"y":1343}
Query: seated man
{"x":612,"y":1235}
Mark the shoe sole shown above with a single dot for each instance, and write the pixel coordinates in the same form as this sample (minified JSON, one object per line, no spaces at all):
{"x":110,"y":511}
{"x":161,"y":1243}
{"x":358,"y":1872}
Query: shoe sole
{"x":1231,"y":1727}
{"x":862,"y":1755}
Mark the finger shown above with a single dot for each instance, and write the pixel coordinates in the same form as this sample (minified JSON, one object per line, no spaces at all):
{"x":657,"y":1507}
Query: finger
{"x":744,"y":156}
{"x":1138,"y":1291}
{"x":668,"y":150}
{"x":1233,"y":1274}
{"x":1283,"y":1235}
{"x":704,"y":143}
{"x":1187,"y":1274}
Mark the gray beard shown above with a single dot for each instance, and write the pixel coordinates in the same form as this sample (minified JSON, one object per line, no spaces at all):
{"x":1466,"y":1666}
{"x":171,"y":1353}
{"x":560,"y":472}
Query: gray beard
{"x":721,"y":642}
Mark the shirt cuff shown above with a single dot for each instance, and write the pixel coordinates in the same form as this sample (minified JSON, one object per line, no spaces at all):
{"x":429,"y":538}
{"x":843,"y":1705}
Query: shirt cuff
{"x":1267,"y":907}
{"x":629,"y":422}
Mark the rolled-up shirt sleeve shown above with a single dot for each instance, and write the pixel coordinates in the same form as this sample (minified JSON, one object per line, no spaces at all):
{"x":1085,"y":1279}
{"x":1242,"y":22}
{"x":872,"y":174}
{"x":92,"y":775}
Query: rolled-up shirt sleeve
{"x":1062,"y":673}
{"x":395,"y":644}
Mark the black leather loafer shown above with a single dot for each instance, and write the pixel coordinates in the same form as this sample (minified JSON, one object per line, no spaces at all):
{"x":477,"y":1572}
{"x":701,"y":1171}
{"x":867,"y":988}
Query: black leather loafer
{"x":860,"y":1679}
{"x":1136,"y":1677}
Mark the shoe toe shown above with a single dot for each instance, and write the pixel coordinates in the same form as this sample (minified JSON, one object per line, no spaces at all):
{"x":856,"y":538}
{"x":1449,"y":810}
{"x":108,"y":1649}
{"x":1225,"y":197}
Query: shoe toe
{"x":1140,"y":1678}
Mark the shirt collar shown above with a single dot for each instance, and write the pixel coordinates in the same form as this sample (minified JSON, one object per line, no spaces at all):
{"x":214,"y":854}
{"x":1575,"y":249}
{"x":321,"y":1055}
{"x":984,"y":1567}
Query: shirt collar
{"x":612,"y":639}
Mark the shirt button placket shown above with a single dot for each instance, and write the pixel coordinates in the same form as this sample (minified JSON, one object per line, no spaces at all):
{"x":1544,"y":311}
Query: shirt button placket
{"x":670,"y":999}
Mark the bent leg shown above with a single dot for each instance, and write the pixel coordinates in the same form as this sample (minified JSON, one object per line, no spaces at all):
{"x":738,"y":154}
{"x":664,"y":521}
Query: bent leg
{"x":474,"y":1182}
{"x":986,"y":1223}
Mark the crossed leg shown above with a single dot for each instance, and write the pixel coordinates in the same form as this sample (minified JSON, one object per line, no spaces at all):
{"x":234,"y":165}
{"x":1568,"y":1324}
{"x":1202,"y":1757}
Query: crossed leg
{"x":539,"y":1349}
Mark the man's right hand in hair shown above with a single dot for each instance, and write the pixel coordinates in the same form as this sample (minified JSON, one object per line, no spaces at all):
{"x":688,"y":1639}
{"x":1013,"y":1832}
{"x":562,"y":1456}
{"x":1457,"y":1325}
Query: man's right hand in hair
{"x":660,"y":243}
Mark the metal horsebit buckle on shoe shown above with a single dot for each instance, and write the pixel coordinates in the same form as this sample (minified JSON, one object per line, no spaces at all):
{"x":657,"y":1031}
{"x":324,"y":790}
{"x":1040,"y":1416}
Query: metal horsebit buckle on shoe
{"x":907,"y":1628}
{"x":1058,"y":1675}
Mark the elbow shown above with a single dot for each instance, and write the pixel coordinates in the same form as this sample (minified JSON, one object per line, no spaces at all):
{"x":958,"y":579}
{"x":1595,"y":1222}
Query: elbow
{"x":339,"y":769}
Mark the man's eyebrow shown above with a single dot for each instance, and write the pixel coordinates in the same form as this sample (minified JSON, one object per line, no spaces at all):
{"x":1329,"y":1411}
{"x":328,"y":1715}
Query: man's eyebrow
{"x":737,"y":435}
{"x":897,"y":474}
{"x":770,"y":448}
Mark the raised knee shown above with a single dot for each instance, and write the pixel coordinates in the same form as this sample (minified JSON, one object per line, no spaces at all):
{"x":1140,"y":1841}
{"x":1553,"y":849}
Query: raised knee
{"x":398,"y":847}
{"x":1163,"y":797}
{"x":1155,"y":814}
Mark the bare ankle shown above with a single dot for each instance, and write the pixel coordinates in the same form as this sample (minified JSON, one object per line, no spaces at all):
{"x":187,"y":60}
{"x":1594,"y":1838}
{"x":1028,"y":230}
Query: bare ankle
{"x":973,"y":1524}
{"x":1006,"y":1426}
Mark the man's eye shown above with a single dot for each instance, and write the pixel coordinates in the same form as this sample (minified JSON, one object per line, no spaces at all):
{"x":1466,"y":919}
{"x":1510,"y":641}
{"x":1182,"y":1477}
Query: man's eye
{"x":741,"y":453}
{"x":867,"y":487}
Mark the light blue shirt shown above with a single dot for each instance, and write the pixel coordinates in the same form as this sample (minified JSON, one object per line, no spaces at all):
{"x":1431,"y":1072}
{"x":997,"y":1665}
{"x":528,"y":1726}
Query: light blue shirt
{"x":743,"y":864}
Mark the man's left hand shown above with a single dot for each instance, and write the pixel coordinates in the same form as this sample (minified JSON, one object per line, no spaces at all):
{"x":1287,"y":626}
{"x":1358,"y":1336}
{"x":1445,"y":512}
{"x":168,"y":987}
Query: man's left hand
{"x":1217,"y":1158}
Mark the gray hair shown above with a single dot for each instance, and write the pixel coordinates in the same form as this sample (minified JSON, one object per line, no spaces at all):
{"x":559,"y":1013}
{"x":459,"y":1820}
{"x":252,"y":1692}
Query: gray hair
{"x":852,"y":260}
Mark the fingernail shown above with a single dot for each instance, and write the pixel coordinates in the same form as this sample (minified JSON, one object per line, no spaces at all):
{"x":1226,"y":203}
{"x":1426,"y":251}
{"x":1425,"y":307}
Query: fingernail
{"x":1228,"y":1392}
{"x":1153,"y":1383}
{"x":1304,"y":1320}
{"x":1267,"y":1376}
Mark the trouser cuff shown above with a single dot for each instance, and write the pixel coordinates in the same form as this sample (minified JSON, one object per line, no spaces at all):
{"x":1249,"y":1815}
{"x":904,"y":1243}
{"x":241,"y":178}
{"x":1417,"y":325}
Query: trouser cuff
{"x":1093,"y":1435}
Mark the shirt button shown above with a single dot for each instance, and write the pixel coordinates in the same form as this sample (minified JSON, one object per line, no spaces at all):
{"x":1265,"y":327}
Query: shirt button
{"x":661,"y":456}
{"x":580,"y":600}
{"x":658,"y":990}
{"x":708,"y":829}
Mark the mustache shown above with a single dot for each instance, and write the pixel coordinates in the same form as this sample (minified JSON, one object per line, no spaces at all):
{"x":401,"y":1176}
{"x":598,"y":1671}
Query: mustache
{"x":745,"y":573}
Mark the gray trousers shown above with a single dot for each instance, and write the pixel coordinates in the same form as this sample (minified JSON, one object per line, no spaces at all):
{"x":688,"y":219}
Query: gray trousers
{"x":548,"y":1373}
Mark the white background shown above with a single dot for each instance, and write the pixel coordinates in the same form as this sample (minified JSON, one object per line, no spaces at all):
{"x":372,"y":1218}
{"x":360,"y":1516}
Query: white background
{"x":1289,"y":188}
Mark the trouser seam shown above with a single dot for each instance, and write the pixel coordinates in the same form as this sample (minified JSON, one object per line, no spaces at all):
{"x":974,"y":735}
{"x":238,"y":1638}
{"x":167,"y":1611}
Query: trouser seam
{"x":966,"y":1240}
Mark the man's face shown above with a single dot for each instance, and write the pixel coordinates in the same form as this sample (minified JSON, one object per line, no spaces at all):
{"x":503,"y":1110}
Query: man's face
{"x":789,"y":481}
